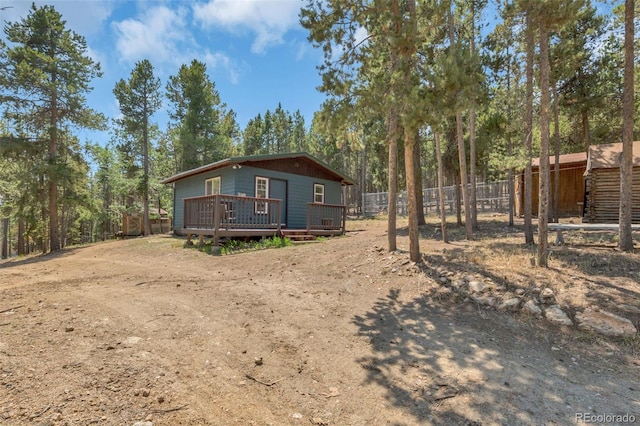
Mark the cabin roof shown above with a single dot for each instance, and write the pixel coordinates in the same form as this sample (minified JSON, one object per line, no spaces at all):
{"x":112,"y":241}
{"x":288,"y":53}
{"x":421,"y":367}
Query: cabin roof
{"x":575,"y":158}
{"x":606,"y":156}
{"x":249,"y":159}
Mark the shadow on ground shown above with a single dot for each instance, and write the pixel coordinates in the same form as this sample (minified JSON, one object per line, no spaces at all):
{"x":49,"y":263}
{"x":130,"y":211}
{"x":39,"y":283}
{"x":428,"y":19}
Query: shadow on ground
{"x":457,"y":365}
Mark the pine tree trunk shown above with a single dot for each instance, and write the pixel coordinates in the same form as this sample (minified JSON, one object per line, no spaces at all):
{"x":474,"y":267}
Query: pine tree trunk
{"x":414,"y":235}
{"x":54,"y":238}
{"x":443,"y":215}
{"x":21,"y":249}
{"x":418,"y":181}
{"x":5,"y":237}
{"x":528,"y":178}
{"x":462,"y":154}
{"x":625,"y":242}
{"x":392,"y":134}
{"x":145,"y":189}
{"x":543,"y":179}
{"x":556,"y":149}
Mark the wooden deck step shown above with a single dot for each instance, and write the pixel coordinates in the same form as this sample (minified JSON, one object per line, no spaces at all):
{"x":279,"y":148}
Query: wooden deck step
{"x":298,"y":235}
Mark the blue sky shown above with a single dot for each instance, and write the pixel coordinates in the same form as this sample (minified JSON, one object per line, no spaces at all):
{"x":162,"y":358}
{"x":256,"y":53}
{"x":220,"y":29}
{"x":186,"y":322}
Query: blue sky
{"x":256,"y":51}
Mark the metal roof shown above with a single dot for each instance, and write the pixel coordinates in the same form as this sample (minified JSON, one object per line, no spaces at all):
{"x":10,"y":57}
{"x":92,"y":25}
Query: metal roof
{"x":608,"y":155}
{"x":578,"y":157}
{"x":252,"y":158}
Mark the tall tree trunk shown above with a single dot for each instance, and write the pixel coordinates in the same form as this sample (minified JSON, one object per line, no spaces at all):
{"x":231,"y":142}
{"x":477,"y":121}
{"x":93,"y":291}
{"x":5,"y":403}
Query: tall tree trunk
{"x":458,"y":191}
{"x":556,"y":149}
{"x":472,"y":168}
{"x":511,"y":174}
{"x":392,"y":134}
{"x":145,"y":189}
{"x":43,"y":214}
{"x":5,"y":237}
{"x":528,"y":178}
{"x":625,"y":242}
{"x":443,"y":214}
{"x":54,"y":238}
{"x":21,"y":249}
{"x":472,"y":134}
{"x":543,"y":180}
{"x":418,"y":180}
{"x":414,"y":235}
{"x":462,"y":155}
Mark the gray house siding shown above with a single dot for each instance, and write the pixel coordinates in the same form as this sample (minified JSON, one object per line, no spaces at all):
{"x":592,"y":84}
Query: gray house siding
{"x":242,"y":181}
{"x":193,"y":186}
{"x":300,"y":191}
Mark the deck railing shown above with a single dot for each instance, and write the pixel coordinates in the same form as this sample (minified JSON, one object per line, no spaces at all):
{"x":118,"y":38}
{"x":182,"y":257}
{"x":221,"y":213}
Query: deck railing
{"x":232,"y":212}
{"x":326,"y":217}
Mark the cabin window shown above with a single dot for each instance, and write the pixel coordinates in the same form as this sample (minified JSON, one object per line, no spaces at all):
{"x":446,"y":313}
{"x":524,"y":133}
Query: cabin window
{"x":318,"y":193}
{"x":262,"y":191}
{"x":212,"y":186}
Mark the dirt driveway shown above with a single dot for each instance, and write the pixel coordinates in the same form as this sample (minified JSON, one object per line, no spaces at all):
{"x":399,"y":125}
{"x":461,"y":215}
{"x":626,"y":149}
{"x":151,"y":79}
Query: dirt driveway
{"x":339,"y":332}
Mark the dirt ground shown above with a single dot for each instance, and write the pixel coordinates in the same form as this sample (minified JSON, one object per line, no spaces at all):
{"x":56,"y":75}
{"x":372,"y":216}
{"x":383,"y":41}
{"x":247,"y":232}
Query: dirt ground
{"x":337,"y":332}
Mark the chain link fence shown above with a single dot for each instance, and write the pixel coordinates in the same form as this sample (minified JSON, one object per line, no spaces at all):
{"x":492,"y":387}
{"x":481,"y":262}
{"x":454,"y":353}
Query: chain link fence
{"x":490,"y":197}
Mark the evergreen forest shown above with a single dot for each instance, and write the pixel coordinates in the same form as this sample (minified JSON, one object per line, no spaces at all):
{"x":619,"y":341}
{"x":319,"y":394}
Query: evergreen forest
{"x":418,"y":93}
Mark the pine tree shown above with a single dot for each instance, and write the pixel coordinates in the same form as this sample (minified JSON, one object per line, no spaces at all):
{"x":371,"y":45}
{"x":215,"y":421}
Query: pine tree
{"x":139,"y":98}
{"x":46,"y":74}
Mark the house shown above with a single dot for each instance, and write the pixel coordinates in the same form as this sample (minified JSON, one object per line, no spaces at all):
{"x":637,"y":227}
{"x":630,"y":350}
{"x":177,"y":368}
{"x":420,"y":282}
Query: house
{"x":258,"y":196}
{"x":602,"y":183}
{"x":571,"y":191}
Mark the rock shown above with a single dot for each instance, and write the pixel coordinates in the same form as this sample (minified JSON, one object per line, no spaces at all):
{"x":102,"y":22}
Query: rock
{"x":457,"y":284}
{"x":547,"y":296}
{"x":485,"y":300}
{"x":532,"y":308}
{"x":605,"y":323}
{"x":520,"y":291}
{"x":469,"y":278}
{"x":510,"y":304}
{"x":297,"y":416}
{"x":143,"y":423}
{"x":629,"y":308}
{"x":68,"y":329}
{"x":145,"y":392}
{"x":557,"y":316}
{"x":477,"y":286}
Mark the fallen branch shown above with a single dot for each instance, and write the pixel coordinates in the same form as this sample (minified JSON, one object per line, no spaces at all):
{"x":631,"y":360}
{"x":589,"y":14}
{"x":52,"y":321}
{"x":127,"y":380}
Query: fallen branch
{"x":11,"y":309}
{"x":161,"y":315}
{"x":6,"y":323}
{"x":268,"y":384}
{"x":41,"y":412}
{"x":169,"y":410}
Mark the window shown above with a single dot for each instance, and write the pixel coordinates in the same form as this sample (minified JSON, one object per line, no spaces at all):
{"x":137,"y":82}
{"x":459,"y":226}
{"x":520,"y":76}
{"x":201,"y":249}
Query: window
{"x":318,"y":193}
{"x":262,"y":191}
{"x":212,"y":186}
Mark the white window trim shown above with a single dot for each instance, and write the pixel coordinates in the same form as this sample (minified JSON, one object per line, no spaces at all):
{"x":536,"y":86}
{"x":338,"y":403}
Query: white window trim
{"x":315,"y":186}
{"x":213,"y":179}
{"x":262,"y":208}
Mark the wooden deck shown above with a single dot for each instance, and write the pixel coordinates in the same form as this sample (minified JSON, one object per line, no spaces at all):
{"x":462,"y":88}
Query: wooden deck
{"x":229,"y":216}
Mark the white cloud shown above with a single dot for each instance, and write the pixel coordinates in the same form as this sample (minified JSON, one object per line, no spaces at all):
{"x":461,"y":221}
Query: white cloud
{"x":269,"y":20}
{"x":84,"y":18}
{"x":156,"y":35}
{"x":218,"y":60}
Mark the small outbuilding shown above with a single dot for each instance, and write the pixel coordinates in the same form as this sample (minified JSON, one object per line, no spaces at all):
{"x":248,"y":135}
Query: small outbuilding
{"x":602,"y":183}
{"x":570,"y":201}
{"x":258,"y":196}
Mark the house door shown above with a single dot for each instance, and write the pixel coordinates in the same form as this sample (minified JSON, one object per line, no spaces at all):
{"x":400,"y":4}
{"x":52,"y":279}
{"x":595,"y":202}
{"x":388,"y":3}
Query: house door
{"x":278,"y":190}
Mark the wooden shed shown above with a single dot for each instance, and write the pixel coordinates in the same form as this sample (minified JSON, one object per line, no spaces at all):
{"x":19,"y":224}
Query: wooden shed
{"x":602,"y":183}
{"x":572,"y":169}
